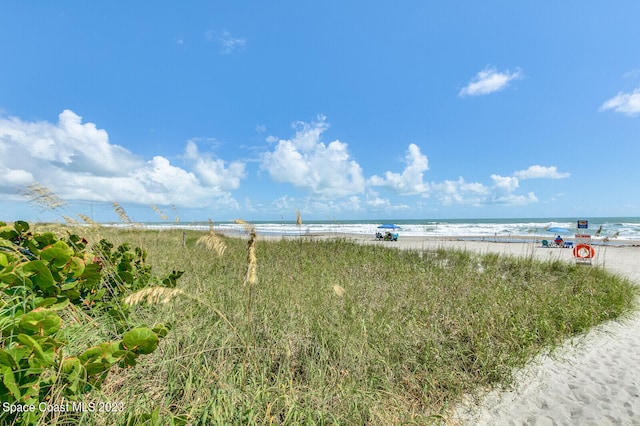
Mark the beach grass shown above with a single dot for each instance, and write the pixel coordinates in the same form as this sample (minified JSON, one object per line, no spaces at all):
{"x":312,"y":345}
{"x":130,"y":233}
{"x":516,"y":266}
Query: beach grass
{"x":329,"y":331}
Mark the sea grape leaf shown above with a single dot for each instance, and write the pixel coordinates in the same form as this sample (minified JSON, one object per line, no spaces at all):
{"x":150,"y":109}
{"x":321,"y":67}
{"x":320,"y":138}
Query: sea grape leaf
{"x":127,"y":359}
{"x":171,"y":279}
{"x":53,"y":303}
{"x":7,"y":360}
{"x":33,"y":344}
{"x":39,"y":273}
{"x":43,"y":302}
{"x":44,"y":322}
{"x":74,"y":373}
{"x":43,"y":350}
{"x":127,"y":277}
{"x":45,"y":239}
{"x":91,"y":274}
{"x":76,"y":266}
{"x":161,"y":330}
{"x":10,"y":278}
{"x":9,"y":381}
{"x":140,"y":340}
{"x":69,"y":285}
{"x":58,"y":254}
{"x":90,"y":354}
{"x":7,"y":232}
{"x":21,"y":226}
{"x":104,"y":352}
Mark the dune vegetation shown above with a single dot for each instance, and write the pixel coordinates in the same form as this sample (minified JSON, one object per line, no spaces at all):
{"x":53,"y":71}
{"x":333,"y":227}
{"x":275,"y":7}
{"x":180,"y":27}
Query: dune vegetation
{"x":327,"y":331}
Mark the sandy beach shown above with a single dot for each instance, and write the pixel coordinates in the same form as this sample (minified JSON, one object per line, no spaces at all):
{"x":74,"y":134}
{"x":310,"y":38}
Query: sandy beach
{"x":591,"y":380}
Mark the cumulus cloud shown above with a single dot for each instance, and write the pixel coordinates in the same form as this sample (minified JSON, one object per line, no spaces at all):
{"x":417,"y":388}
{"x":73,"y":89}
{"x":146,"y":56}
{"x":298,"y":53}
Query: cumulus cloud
{"x":541,"y":172}
{"x":78,"y":162}
{"x":12,"y":178}
{"x":460,"y":192}
{"x":501,"y":190}
{"x":306,"y":162}
{"x":214,"y":171}
{"x":70,"y":145}
{"x":504,"y":188}
{"x":489,"y":80}
{"x":410,"y":181}
{"x":625,"y":103}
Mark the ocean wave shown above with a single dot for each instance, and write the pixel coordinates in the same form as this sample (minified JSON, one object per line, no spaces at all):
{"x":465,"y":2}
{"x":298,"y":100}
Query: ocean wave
{"x":627,"y":229}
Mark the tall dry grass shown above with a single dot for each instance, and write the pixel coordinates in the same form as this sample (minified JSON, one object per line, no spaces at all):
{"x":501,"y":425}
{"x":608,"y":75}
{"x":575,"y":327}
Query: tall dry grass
{"x":159,"y":212}
{"x":121,"y":212}
{"x":212,"y":241}
{"x":346,"y":334}
{"x":42,"y":196}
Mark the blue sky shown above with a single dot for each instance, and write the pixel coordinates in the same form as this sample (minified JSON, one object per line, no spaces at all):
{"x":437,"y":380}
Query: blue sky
{"x":338,"y":109}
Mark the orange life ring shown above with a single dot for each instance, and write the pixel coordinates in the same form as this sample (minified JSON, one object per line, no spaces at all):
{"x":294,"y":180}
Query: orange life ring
{"x":584,"y":251}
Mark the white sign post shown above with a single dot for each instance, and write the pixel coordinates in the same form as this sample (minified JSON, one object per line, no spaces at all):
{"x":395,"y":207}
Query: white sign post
{"x":583,"y":250}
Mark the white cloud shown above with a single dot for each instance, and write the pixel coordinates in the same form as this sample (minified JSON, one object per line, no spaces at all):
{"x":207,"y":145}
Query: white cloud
{"x":410,"y":181}
{"x":500,"y":191}
{"x":503,"y":191}
{"x":70,"y":144}
{"x":225,"y":41}
{"x":625,"y":103}
{"x":12,"y":178}
{"x":460,"y":192}
{"x":306,"y":162}
{"x":487,"y":81}
{"x":213,"y":171}
{"x":505,"y":184}
{"x":541,"y":172}
{"x":77,"y":162}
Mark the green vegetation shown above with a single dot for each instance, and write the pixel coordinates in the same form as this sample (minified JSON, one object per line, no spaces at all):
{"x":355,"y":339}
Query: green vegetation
{"x":46,"y":284}
{"x":304,"y":331}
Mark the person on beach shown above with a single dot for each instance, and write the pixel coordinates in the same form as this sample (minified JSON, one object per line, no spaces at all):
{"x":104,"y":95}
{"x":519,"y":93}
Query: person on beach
{"x":559,"y":241}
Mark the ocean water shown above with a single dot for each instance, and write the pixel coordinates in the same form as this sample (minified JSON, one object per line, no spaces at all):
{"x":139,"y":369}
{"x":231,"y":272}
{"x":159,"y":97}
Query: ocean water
{"x":626,"y":228}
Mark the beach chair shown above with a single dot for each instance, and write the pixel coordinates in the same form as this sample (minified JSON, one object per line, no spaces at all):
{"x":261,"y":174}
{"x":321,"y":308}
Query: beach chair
{"x":545,"y":243}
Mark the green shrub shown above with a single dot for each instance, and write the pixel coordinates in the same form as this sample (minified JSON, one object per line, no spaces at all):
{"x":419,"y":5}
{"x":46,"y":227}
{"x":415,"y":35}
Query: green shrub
{"x":42,"y":279}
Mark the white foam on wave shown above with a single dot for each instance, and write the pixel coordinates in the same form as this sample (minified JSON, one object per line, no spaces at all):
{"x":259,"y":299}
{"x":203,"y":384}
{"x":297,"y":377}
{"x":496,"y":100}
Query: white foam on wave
{"x":626,"y":230}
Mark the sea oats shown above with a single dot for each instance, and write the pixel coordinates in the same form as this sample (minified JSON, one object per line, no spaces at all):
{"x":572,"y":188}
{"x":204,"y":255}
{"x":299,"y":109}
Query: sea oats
{"x":152,"y":295}
{"x":212,"y":241}
{"x":86,"y":219}
{"x":124,"y":217}
{"x":251,"y":277}
{"x":41,"y":195}
{"x":159,"y":212}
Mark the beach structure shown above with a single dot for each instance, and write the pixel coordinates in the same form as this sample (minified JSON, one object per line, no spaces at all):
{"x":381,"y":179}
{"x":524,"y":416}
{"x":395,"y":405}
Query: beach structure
{"x":583,"y":252}
{"x":387,"y":234}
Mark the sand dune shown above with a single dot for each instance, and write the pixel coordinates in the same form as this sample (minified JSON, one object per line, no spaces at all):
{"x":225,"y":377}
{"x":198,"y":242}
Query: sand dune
{"x":590,"y":380}
{"x":593,"y":379}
